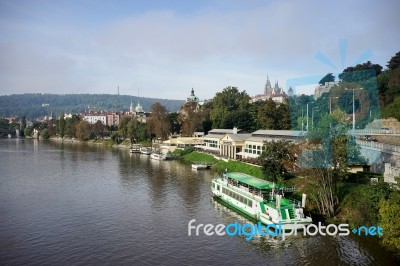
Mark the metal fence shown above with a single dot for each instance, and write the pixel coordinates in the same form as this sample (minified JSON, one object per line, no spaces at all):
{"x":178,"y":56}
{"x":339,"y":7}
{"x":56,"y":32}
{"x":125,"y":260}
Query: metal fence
{"x":371,"y":131}
{"x":379,"y":145}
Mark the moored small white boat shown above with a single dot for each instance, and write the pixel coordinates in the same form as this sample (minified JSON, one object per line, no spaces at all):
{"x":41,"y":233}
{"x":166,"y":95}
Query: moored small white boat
{"x":200,"y":166}
{"x":157,"y":156}
{"x":146,"y":150}
{"x":135,"y":148}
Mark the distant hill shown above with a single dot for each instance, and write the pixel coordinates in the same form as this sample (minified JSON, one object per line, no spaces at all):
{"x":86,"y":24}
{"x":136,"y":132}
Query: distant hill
{"x":33,"y":105}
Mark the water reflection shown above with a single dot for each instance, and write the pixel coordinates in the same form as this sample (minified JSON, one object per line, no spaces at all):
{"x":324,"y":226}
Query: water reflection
{"x":84,"y":204}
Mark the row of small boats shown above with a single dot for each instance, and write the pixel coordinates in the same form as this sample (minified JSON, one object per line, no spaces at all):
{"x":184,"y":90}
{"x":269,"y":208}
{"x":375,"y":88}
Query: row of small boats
{"x":149,"y":151}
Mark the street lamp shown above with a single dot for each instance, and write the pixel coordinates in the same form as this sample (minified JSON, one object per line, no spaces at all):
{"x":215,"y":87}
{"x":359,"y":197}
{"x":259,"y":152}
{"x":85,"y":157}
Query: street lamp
{"x":330,"y":103}
{"x":354,"y":114}
{"x":312,"y":116}
{"x":302,"y":119}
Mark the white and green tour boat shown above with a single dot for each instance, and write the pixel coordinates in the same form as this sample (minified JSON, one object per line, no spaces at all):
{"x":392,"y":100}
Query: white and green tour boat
{"x":261,"y":200}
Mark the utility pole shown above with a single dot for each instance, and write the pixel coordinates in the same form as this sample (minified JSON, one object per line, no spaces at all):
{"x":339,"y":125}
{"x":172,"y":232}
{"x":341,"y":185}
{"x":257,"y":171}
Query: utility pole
{"x":354,"y":113}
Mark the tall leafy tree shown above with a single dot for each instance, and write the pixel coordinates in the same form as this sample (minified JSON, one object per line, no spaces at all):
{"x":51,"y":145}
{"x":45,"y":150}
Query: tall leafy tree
{"x":70,"y":126}
{"x":83,"y":130}
{"x":360,"y":72}
{"x":123,"y":126}
{"x":267,"y":114}
{"x":276,"y":159}
{"x":225,"y":108}
{"x":174,"y":126}
{"x":328,"y":153}
{"x":61,"y":125}
{"x":132,"y":130}
{"x":389,"y":212}
{"x":394,"y":62}
{"x":158,"y":123}
{"x":98,"y":129}
{"x":327,"y":78}
{"x":190,"y":118}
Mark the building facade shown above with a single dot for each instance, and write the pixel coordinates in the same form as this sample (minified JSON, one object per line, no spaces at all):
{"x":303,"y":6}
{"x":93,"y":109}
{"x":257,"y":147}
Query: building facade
{"x":276,"y":93}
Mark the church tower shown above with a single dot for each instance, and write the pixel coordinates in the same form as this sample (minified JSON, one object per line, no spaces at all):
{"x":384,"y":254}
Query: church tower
{"x":268,"y":87}
{"x":290,"y":92}
{"x":131,"y":108}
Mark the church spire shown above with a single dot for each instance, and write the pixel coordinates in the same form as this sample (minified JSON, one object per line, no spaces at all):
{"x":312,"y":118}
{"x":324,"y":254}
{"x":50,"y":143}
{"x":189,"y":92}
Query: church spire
{"x":131,"y":107}
{"x":268,"y":88}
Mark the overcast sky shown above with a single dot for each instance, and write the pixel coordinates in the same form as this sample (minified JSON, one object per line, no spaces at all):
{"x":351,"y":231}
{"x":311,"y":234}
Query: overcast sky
{"x":164,"y":48}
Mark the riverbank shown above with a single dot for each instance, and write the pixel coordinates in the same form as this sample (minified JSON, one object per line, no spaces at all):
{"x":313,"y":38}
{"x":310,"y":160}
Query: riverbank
{"x":106,"y":142}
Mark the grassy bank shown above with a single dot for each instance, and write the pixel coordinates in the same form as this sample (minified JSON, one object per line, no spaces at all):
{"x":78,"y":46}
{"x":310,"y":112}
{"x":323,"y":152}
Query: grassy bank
{"x":236,"y":166}
{"x":196,"y":157}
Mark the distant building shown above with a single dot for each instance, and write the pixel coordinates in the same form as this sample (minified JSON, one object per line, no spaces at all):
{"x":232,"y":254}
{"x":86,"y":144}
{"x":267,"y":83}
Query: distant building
{"x":93,"y":117}
{"x":194,"y":99}
{"x":232,"y":144}
{"x":138,"y":112}
{"x":254,"y":145}
{"x":141,"y":115}
{"x":320,"y":89}
{"x":113,"y":118}
{"x":290,"y":92}
{"x":276,"y":93}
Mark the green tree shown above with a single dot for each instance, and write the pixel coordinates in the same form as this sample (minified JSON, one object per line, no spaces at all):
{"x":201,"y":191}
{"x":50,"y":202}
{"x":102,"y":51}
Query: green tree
{"x":328,"y":78}
{"x":98,"y":129}
{"x":28,"y":131}
{"x":83,"y":130}
{"x":23,"y":123}
{"x":174,"y":126}
{"x":132,"y":130}
{"x":61,"y":125}
{"x":142,"y":133}
{"x":224,"y":106}
{"x":277,"y":158}
{"x":115,"y":137}
{"x":283,"y":120}
{"x":70,"y":126}
{"x":360,"y":72}
{"x":389,"y":211}
{"x":326,"y":159}
{"x":44,"y":134}
{"x":123,"y":126}
{"x":394,"y":62}
{"x":392,"y":110}
{"x":266,"y":115}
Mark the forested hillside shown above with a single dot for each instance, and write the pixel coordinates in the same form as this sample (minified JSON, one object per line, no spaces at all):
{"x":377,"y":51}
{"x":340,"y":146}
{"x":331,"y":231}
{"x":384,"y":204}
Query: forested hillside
{"x":35,"y":105}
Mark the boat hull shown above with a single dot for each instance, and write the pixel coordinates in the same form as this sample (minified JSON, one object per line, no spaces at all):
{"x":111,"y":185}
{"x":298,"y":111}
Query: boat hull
{"x":156,"y":156}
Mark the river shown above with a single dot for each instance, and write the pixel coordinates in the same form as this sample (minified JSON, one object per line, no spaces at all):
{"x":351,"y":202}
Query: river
{"x":83,"y":204}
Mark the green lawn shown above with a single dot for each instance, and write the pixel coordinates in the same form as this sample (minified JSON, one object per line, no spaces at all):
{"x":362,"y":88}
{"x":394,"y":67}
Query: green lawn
{"x":236,"y":166}
{"x":197,"y":157}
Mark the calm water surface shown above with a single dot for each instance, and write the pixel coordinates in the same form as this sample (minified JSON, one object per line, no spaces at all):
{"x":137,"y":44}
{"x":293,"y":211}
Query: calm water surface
{"x":89,"y":205}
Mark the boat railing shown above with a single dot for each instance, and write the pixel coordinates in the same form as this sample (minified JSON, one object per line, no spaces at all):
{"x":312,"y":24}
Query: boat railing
{"x":289,"y":189}
{"x":244,"y":190}
{"x":287,"y":201}
{"x":296,"y":203}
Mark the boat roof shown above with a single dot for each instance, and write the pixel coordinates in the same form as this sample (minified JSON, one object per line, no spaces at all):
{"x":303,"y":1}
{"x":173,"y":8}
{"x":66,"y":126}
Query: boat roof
{"x":252,"y":180}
